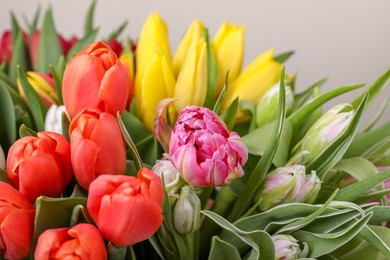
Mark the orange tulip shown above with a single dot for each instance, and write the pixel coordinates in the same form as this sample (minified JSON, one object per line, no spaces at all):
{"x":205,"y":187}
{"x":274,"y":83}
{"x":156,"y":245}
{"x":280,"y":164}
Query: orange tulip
{"x":95,"y":78}
{"x":97,"y":146}
{"x":82,"y":241}
{"x":40,"y":165}
{"x":16,"y":223}
{"x":127,"y":210}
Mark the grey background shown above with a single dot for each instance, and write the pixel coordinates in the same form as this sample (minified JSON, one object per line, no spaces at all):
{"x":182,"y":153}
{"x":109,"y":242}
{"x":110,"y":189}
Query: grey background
{"x":347,"y":41}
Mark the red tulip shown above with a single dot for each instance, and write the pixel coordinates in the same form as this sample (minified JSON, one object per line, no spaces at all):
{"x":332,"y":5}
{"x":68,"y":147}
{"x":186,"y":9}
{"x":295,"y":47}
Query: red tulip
{"x":34,"y":43}
{"x":115,"y":46}
{"x":16,"y":223}
{"x":126,"y":209}
{"x":95,"y":78}
{"x":97,"y":146}
{"x":40,"y":165}
{"x":6,"y":45}
{"x":82,"y":241}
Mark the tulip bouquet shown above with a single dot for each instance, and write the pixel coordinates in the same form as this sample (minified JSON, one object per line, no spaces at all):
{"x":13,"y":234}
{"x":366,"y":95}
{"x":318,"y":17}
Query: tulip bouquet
{"x":112,"y":151}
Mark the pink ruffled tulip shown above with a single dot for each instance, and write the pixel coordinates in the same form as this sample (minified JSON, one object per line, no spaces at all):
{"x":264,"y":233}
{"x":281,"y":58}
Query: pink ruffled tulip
{"x":82,"y":241}
{"x":204,"y":151}
{"x":40,"y":165}
{"x":97,"y":146}
{"x":95,"y":78}
{"x":127,"y":210}
{"x":16,"y":223}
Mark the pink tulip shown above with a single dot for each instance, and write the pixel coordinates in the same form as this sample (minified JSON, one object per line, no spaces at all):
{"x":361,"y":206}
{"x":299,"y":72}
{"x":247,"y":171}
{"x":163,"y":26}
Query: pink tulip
{"x":82,"y":241}
{"x":40,"y":165}
{"x":204,"y":151}
{"x":97,"y":146}
{"x":16,"y":223}
{"x":95,"y":78}
{"x":127,"y":210}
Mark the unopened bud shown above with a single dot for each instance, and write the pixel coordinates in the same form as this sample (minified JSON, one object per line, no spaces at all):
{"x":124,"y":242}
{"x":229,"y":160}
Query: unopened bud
{"x":171,"y":175}
{"x":286,"y":247}
{"x":186,"y":211}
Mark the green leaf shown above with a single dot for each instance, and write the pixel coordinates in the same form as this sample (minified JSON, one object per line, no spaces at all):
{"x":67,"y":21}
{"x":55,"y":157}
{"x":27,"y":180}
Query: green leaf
{"x":229,"y":115}
{"x":218,"y":103}
{"x":65,"y":125}
{"x":258,"y":140}
{"x":25,"y":131}
{"x":80,"y":45}
{"x":380,"y":214}
{"x":262,"y":167}
{"x":132,"y":148}
{"x":7,"y":115}
{"x":357,"y":167}
{"x":115,"y":252}
{"x":222,"y":250}
{"x":80,"y":215}
{"x":365,"y":141}
{"x":356,"y":248}
{"x":378,"y":237}
{"x":117,"y":32}
{"x":301,"y":98}
{"x":88,"y":23}
{"x":336,"y":150}
{"x":20,"y":56}
{"x":58,"y":82}
{"x":378,"y":115}
{"x":374,"y":89}
{"x":321,"y":244}
{"x":283,"y":56}
{"x":135,"y":127}
{"x":53,"y":213}
{"x":149,"y":149}
{"x":357,"y":189}
{"x":260,"y":241}
{"x":300,"y":115}
{"x":4,"y":176}
{"x":32,"y":27}
{"x":212,"y":73}
{"x":37,"y":107}
{"x":49,"y":47}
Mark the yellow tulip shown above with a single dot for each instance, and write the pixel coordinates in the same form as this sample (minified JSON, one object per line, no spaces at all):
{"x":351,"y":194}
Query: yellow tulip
{"x":191,"y":85}
{"x":127,"y":59}
{"x":157,"y":83}
{"x":193,"y":34}
{"x":43,"y":85}
{"x":228,"y":47}
{"x":254,"y":81}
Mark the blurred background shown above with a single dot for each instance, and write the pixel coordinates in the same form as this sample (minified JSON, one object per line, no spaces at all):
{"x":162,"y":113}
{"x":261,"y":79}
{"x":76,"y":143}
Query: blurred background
{"x":347,"y":41}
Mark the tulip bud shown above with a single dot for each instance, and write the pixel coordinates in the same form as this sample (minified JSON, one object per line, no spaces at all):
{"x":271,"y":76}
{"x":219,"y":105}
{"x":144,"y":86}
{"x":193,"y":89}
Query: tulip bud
{"x":254,"y":81}
{"x":2,"y":159}
{"x":204,"y":151}
{"x":285,"y":185}
{"x":286,"y":247}
{"x":16,"y":223}
{"x":53,"y":120}
{"x":83,"y":241}
{"x":193,"y":34}
{"x":43,"y":85}
{"x":171,"y":175}
{"x":186,"y":212}
{"x":228,"y":47}
{"x":191,"y":85}
{"x":324,"y":131}
{"x":267,"y":108}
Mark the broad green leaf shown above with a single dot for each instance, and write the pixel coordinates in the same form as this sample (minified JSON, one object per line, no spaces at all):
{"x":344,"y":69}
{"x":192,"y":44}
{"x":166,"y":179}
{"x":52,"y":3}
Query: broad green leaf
{"x":372,"y":196}
{"x":80,"y":45}
{"x":300,"y":115}
{"x":65,"y":125}
{"x":380,"y":214}
{"x":261,"y":169}
{"x":37,"y":107}
{"x":20,"y":56}
{"x":258,"y":140}
{"x":260,"y":241}
{"x":49,"y":47}
{"x":80,"y":215}
{"x":222,"y":250}
{"x":32,"y":27}
{"x":135,"y":127}
{"x":88,"y":23}
{"x":212,"y":74}
{"x":301,"y":98}
{"x":357,"y":189}
{"x":115,"y":252}
{"x":53,"y":213}
{"x":283,"y":56}
{"x":374,"y":89}
{"x":7,"y":115}
{"x":117,"y":32}
{"x":365,"y":141}
{"x":356,"y":248}
{"x":336,"y":150}
{"x":357,"y":167}
{"x":378,"y":237}
{"x":25,"y":131}
{"x":377,"y":115}
{"x":15,"y":28}
{"x":149,"y":149}
{"x":229,"y":115}
{"x":321,"y":244}
{"x":132,"y":148}
{"x":7,"y":79}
